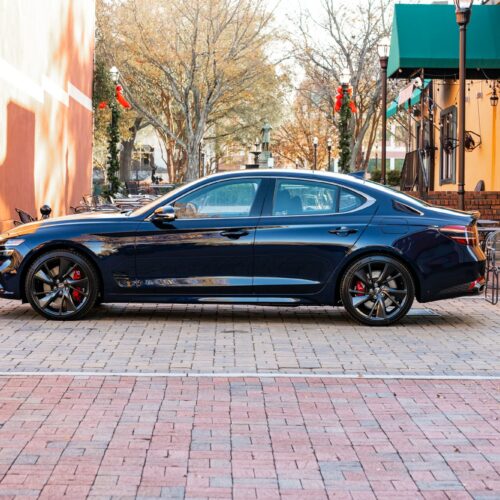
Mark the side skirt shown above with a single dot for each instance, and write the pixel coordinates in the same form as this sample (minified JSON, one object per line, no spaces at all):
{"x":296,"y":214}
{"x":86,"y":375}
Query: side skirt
{"x":249,"y":300}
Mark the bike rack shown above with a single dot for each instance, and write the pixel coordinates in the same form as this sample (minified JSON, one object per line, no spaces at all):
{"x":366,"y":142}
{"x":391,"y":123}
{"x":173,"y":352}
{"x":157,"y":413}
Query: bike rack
{"x":492,"y":248}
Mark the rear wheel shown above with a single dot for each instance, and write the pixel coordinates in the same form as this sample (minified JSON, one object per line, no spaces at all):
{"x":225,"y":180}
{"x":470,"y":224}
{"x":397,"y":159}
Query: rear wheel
{"x":61,"y":285}
{"x":377,"y":290}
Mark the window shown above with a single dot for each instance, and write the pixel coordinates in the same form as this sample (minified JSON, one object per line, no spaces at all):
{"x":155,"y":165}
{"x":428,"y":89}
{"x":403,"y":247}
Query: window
{"x":220,"y":200}
{"x":448,"y":125}
{"x":297,"y":197}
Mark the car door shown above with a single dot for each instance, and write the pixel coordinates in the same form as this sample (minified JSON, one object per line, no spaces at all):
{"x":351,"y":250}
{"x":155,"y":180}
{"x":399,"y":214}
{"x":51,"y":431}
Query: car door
{"x":306,"y":229}
{"x":208,"y":248}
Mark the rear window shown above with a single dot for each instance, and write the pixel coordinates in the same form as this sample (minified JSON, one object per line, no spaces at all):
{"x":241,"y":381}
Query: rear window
{"x":304,"y":197}
{"x":349,"y":200}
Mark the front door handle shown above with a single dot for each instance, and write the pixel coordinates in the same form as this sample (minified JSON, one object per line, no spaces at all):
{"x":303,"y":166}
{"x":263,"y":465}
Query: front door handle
{"x":343,"y":231}
{"x":234,"y":234}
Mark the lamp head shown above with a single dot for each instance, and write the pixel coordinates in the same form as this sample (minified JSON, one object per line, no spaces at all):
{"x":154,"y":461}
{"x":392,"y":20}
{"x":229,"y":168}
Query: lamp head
{"x":114,"y":73}
{"x":329,"y":143}
{"x":315,"y":140}
{"x":463,"y":11}
{"x":463,"y":4}
{"x":383,"y":47}
{"x":345,"y":77}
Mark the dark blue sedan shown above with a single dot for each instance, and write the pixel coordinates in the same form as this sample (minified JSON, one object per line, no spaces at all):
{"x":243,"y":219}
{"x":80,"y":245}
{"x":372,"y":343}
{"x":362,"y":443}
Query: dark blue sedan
{"x":273,"y":237}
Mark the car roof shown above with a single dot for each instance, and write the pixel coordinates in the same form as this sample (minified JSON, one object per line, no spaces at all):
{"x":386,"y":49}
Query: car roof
{"x":288,"y":172}
{"x":344,"y":179}
{"x":368,"y":187}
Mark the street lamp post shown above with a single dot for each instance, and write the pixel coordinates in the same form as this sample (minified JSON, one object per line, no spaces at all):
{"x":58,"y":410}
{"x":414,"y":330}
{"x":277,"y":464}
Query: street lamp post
{"x":315,"y":145}
{"x":463,"y":12}
{"x":114,"y":137}
{"x":383,"y":52}
{"x":329,"y":147}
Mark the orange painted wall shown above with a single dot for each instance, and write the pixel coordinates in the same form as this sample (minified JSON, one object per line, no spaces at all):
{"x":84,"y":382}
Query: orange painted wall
{"x":46,"y":62}
{"x":484,"y":162}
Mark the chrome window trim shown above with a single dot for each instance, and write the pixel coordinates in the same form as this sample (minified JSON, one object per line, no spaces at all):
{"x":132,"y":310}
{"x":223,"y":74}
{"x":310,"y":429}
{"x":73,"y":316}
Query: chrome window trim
{"x":369,"y":199}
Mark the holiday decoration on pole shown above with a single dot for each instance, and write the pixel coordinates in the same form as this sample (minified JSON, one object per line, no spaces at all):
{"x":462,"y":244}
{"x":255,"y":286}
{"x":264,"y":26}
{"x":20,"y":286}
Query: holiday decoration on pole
{"x":340,"y":97}
{"x":119,"y":97}
{"x":113,"y":167}
{"x":113,"y":152}
{"x":345,"y":106}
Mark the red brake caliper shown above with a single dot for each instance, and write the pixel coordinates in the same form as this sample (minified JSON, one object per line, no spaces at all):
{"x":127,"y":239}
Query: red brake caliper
{"x":76,"y":275}
{"x":360,"y":287}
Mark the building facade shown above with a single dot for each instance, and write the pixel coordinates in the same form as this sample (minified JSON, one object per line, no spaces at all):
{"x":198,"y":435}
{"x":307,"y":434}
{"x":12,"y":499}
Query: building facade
{"x":428,"y":103}
{"x":46,"y":66}
{"x":482,"y":157}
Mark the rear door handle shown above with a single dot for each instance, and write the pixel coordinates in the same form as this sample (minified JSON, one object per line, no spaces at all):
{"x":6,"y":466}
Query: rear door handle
{"x":343,"y":231}
{"x":234,"y":234}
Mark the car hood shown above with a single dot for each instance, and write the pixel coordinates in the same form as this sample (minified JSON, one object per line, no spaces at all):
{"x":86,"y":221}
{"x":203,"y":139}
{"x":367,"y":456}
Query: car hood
{"x":33,"y":227}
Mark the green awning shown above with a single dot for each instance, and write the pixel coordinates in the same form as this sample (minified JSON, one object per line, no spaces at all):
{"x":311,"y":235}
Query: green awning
{"x":426,"y":37}
{"x":392,"y":109}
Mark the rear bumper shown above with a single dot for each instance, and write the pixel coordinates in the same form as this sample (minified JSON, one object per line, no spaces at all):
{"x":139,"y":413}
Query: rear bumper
{"x":471,"y":282}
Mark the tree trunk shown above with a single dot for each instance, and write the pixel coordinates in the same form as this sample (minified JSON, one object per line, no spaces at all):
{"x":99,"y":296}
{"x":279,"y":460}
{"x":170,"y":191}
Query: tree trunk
{"x":126,"y":159}
{"x":193,"y":162}
{"x":128,"y":149}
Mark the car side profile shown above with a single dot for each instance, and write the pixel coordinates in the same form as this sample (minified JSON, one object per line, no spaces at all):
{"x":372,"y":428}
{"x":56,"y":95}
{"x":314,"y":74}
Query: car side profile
{"x":273,"y":237}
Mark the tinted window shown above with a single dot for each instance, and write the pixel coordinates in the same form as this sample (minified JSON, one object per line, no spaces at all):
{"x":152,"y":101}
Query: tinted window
{"x":349,"y":200}
{"x":297,"y":197}
{"x":223,"y":199}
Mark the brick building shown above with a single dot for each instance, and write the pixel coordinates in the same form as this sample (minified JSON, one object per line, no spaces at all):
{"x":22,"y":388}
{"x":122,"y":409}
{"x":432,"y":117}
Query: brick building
{"x":46,"y":64}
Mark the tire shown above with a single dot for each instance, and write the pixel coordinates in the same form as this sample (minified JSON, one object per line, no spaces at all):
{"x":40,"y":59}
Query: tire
{"x":61,"y":285}
{"x":371,"y":301}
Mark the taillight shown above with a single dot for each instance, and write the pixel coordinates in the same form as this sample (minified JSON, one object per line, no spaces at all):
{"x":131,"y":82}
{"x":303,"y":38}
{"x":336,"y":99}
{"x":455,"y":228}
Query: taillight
{"x":465,"y":235}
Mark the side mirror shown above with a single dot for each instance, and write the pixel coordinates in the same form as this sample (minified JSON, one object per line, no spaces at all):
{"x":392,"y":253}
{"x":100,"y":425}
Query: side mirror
{"x":164,"y":214}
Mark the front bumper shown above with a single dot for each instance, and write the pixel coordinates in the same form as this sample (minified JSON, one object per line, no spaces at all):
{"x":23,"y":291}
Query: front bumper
{"x":10,"y":259}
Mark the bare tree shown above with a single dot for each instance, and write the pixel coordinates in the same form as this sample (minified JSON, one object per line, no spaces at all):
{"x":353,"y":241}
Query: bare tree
{"x":347,"y":37}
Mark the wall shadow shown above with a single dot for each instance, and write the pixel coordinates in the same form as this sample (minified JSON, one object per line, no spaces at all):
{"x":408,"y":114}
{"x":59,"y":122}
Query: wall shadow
{"x":17,"y":178}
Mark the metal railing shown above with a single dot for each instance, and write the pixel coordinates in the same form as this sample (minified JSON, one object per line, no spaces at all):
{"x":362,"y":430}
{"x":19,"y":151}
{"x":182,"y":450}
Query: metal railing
{"x":413,"y":173}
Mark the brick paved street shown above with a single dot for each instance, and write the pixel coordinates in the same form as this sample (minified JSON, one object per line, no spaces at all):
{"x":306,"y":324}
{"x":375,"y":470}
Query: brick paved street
{"x":249,"y":438}
{"x":450,"y":337}
{"x":265,"y":436}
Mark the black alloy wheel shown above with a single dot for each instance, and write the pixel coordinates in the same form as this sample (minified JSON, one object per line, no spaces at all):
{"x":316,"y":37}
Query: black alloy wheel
{"x":61,"y":285}
{"x":377,"y":290}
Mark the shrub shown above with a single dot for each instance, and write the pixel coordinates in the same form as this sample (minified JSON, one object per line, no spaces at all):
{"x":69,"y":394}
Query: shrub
{"x":393,"y":176}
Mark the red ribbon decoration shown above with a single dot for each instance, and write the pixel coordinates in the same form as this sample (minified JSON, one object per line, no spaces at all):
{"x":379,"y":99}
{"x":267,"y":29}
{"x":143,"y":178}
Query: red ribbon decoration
{"x":119,"y":97}
{"x":340,"y":96}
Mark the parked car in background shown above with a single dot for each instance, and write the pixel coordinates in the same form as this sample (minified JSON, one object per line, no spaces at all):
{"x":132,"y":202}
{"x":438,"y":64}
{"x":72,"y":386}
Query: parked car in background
{"x":272,"y":237}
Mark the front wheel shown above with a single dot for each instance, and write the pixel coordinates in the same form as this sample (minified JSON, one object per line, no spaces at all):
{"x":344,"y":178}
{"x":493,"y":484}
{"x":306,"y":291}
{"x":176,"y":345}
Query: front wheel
{"x":61,"y":285}
{"x":377,"y":290}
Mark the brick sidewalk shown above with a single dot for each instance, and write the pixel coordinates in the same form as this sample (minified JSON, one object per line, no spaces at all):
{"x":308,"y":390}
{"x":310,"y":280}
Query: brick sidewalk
{"x":248,"y":438}
{"x":455,"y":337}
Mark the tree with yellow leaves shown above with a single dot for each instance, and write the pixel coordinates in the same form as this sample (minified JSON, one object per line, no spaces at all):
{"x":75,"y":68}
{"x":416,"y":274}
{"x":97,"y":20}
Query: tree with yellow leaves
{"x":293,"y":139}
{"x":190,"y":68}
